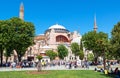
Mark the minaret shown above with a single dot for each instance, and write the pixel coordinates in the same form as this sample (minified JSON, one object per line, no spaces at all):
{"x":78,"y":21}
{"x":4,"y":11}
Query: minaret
{"x":21,"y":13}
{"x":95,"y":24}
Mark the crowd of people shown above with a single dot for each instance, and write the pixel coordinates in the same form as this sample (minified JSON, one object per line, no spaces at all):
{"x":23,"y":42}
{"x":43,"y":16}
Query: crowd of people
{"x":115,"y":72}
{"x":22,"y":64}
{"x":109,"y":70}
{"x":68,"y":64}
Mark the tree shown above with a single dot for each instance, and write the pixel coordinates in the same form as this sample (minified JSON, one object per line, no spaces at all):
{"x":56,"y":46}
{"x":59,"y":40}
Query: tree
{"x":5,"y":37}
{"x":81,"y":55}
{"x":51,"y":54}
{"x":75,"y":49}
{"x":115,"y":40}
{"x":39,"y":57}
{"x":110,"y":54}
{"x":97,"y":42}
{"x":3,"y":30}
{"x":23,"y":35}
{"x":90,"y":57}
{"x":8,"y":52}
{"x":62,"y":51}
{"x":15,"y":34}
{"x":10,"y":44}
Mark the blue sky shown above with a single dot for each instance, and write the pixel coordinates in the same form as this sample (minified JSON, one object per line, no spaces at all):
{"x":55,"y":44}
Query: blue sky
{"x":72,"y":14}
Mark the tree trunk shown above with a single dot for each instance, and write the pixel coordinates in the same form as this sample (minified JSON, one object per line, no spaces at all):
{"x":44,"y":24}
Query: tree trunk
{"x":6,"y":59}
{"x":104,"y":61}
{"x":19,"y":57}
{"x":95,"y":58}
{"x":1,"y":57}
{"x":75,"y":57}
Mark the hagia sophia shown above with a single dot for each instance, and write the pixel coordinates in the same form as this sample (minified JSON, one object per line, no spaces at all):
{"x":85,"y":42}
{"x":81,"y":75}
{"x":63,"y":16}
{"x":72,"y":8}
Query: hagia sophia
{"x":54,"y":35}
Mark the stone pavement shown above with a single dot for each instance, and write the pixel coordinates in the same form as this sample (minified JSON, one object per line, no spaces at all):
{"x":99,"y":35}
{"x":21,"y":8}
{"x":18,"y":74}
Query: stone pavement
{"x":51,"y":68}
{"x":45,"y":68}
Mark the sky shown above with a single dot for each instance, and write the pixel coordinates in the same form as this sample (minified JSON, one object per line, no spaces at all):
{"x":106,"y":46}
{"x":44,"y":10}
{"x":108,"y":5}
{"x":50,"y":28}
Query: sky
{"x":72,"y":14}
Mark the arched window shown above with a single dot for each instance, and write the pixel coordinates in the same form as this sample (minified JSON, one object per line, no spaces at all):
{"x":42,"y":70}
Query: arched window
{"x":61,"y":38}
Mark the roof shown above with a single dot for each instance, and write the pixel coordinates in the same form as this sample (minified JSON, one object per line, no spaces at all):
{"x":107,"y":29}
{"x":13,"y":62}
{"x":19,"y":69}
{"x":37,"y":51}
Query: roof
{"x":57,"y":26}
{"x":39,"y":37}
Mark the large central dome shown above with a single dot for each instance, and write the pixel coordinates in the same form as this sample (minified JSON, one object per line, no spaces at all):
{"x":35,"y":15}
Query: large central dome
{"x":57,"y":26}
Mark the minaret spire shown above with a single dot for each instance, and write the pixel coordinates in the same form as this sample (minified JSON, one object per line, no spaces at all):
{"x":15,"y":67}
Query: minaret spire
{"x":95,"y":24}
{"x":21,"y":13}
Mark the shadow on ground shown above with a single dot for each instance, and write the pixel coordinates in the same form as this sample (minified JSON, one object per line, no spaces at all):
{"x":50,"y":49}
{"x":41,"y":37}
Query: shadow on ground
{"x":109,"y":75}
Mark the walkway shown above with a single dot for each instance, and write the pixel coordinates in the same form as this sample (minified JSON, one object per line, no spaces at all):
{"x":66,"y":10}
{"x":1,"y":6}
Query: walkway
{"x":50,"y":68}
{"x":46,"y":68}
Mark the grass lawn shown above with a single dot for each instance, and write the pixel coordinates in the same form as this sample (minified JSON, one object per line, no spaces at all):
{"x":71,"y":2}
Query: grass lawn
{"x":54,"y":74}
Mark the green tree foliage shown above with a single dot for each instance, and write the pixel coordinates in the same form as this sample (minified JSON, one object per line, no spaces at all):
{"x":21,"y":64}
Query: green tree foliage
{"x":39,"y":57}
{"x":110,"y":54}
{"x":51,"y":54}
{"x":4,"y":37}
{"x":15,"y":34}
{"x":81,"y":55}
{"x":75,"y":49}
{"x":8,"y":52}
{"x":97,"y":42}
{"x":90,"y":57}
{"x":62,"y":51}
{"x":115,"y":40}
{"x":23,"y":35}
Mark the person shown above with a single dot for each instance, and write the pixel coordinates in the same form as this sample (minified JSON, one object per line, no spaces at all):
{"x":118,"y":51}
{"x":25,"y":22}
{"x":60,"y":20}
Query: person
{"x":13,"y":64}
{"x":101,"y":70}
{"x":75,"y":64}
{"x":95,"y":69}
{"x":86,"y":64}
{"x":108,"y":65}
{"x":110,"y":71}
{"x":43,"y":63}
{"x":39,"y":66}
{"x":70,"y":65}
{"x":116,"y":71}
{"x":23,"y":64}
{"x":106,"y":71}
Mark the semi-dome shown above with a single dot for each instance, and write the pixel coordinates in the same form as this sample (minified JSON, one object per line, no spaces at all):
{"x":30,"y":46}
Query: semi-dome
{"x":57,"y":26}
